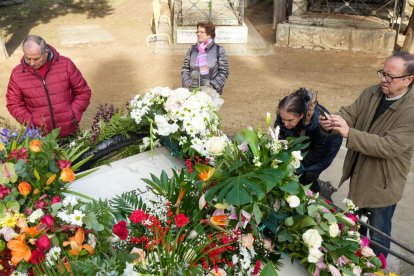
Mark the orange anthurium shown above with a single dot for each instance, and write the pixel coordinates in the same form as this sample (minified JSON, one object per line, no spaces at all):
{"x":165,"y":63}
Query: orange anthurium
{"x":35,"y":145}
{"x":67,"y":175}
{"x":19,"y":249}
{"x":206,"y":175}
{"x":76,"y":243}
{"x":221,"y":220}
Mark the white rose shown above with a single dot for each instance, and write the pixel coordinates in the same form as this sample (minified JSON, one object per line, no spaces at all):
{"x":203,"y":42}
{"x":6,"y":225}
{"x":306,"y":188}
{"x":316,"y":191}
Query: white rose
{"x":312,"y":238}
{"x":215,"y":145}
{"x":314,"y":255}
{"x":356,"y":270}
{"x":293,"y":201}
{"x":367,"y":251}
{"x":334,"y":230}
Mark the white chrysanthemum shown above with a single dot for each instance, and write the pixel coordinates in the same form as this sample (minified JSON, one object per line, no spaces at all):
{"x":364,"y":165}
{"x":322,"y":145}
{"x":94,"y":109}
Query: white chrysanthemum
{"x":76,"y":218}
{"x":163,"y":127}
{"x":53,"y":255}
{"x":63,"y":216}
{"x":37,"y":214}
{"x":69,"y":200}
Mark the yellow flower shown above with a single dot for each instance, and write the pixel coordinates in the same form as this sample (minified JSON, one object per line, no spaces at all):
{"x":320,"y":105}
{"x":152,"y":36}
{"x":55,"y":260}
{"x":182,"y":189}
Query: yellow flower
{"x":50,"y":179}
{"x":2,"y":147}
{"x":35,"y":145}
{"x":8,"y":221}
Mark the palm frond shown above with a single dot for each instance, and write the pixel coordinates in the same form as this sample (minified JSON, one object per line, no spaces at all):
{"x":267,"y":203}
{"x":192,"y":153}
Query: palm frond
{"x":126,"y":203}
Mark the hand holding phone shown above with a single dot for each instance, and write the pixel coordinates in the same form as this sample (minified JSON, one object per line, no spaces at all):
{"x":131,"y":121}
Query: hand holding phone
{"x":323,"y":112}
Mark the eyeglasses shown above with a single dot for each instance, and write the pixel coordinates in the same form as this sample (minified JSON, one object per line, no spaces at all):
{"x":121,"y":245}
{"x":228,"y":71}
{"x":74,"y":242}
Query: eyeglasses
{"x":200,"y":32}
{"x":381,"y":74}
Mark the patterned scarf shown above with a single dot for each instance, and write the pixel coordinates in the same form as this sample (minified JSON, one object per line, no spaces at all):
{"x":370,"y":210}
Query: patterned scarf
{"x":201,"y":60}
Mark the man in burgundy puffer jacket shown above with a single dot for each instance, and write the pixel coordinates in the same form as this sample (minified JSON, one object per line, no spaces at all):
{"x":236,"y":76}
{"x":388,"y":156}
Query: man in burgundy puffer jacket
{"x":46,"y":89}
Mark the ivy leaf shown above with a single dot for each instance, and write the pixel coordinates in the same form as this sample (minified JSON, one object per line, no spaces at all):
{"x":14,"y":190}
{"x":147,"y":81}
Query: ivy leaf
{"x":312,"y":210}
{"x":20,"y":168}
{"x":307,"y":221}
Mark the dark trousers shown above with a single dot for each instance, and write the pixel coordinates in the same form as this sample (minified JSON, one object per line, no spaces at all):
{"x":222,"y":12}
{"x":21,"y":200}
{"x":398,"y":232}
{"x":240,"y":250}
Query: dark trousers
{"x":380,"y":218}
{"x":309,"y":177}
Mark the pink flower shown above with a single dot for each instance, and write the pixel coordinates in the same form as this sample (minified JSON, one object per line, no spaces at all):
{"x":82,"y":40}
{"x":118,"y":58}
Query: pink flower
{"x":138,"y":216}
{"x":37,"y":257}
{"x":43,"y":243}
{"x":364,"y":241}
{"x":48,"y":220}
{"x":181,"y":220}
{"x":56,"y":199}
{"x":64,"y":164}
{"x":353,"y":217}
{"x":383,"y":260}
{"x":120,"y":230}
{"x":40,"y":204}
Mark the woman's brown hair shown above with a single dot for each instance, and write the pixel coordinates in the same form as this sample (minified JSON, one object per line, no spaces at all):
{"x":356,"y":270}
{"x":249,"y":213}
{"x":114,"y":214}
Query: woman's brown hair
{"x":209,"y":27}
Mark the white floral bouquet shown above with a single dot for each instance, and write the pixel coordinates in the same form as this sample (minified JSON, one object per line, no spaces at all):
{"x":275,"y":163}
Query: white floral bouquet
{"x":191,"y":119}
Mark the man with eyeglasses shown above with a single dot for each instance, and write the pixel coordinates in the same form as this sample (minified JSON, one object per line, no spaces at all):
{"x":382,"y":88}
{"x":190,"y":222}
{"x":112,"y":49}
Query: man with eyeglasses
{"x":46,"y":90}
{"x":379,"y":128}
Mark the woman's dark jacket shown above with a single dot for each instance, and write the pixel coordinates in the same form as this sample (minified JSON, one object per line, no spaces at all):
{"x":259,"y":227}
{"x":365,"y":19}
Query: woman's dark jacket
{"x":217,"y":63}
{"x":322,"y":148}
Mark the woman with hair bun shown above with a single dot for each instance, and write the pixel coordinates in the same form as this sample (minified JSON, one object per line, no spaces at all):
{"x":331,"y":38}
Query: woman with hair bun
{"x":297,"y":115}
{"x":206,"y":58}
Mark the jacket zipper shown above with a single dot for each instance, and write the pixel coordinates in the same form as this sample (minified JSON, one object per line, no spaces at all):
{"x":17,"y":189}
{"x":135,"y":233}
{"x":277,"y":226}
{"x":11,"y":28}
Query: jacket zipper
{"x":49,"y":102}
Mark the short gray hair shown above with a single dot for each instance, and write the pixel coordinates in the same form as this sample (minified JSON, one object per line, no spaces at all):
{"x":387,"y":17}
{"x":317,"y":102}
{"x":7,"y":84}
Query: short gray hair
{"x":38,"y":40}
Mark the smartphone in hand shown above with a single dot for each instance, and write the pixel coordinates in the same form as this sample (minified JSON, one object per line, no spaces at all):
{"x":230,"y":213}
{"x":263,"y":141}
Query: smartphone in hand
{"x":324,"y":113}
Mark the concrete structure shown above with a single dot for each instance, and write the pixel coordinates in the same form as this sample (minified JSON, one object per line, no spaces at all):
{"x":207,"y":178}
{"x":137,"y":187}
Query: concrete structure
{"x":227,"y":15}
{"x":365,"y":31}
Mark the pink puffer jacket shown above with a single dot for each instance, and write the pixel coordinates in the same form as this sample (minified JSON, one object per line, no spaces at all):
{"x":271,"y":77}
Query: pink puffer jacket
{"x":57,"y":101}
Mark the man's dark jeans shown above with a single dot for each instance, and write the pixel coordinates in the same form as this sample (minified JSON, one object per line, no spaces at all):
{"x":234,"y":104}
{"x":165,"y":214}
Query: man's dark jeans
{"x":380,"y":218}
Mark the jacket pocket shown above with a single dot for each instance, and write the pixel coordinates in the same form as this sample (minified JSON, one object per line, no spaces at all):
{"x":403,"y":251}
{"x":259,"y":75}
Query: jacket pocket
{"x":384,"y":174}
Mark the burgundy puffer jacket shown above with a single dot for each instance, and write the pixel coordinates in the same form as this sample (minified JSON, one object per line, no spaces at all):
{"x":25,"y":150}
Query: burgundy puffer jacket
{"x":57,"y":101}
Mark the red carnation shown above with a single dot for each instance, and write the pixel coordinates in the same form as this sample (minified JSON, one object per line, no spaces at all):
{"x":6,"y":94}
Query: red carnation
{"x":120,"y":230}
{"x":64,"y":164}
{"x":43,"y":243}
{"x":48,"y":220}
{"x":181,"y":220}
{"x":38,"y":256}
{"x":138,"y":216}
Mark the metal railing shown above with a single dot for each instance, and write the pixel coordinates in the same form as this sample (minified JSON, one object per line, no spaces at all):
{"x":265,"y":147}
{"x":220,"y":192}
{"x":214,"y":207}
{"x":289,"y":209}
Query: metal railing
{"x":220,"y":12}
{"x":355,"y":13}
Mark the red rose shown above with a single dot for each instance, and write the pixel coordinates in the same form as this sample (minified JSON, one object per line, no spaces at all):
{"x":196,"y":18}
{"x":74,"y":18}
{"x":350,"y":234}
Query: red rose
{"x":120,"y":230}
{"x":181,"y":220}
{"x":37,"y":256}
{"x":64,"y":164}
{"x":40,"y":204}
{"x":48,"y":220}
{"x":257,"y":268}
{"x":138,"y":216}
{"x":56,"y":199}
{"x":43,"y":243}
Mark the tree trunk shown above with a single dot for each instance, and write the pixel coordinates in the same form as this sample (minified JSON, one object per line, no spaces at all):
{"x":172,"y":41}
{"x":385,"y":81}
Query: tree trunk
{"x":408,"y":41}
{"x":279,"y":12}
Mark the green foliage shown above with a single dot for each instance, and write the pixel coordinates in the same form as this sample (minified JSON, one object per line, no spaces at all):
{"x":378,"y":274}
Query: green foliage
{"x":119,"y":124}
{"x":123,"y":205}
